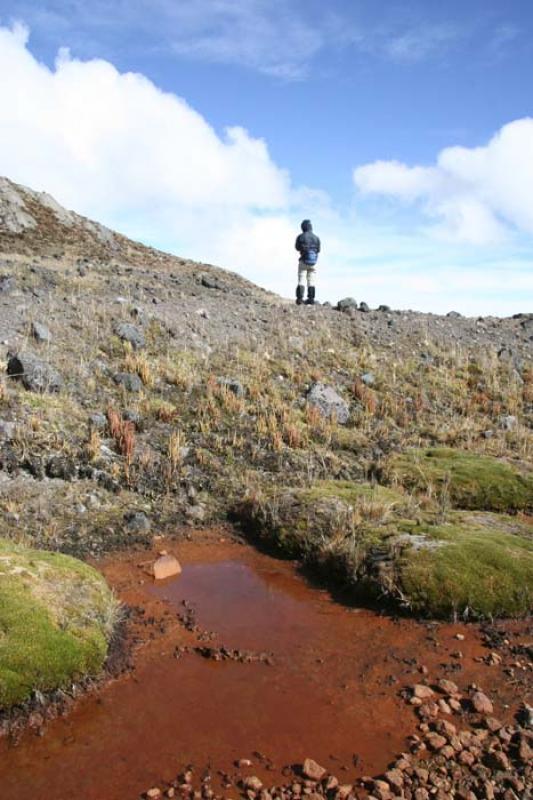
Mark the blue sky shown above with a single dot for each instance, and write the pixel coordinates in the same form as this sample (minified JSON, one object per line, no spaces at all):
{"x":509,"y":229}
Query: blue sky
{"x":352,"y":112}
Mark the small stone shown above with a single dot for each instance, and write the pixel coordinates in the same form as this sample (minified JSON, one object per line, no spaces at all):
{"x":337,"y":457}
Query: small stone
{"x":252,"y":783}
{"x":448,"y":687}
{"x":368,"y":378}
{"x":130,"y":333}
{"x":40,"y":332}
{"x":422,"y":692}
{"x":137,"y":521}
{"x":153,"y":794}
{"x":497,"y":760}
{"x":36,"y":375}
{"x":344,"y":791}
{"x":166,"y":567}
{"x":395,"y":778}
{"x":7,"y":430}
{"x":466,"y":757}
{"x":98,"y":421}
{"x":243,"y":762}
{"x":312,"y":770}
{"x":346,"y":304}
{"x":129,"y":380}
{"x":481,"y":703}
{"x":435,"y":741}
{"x":330,"y":404}
{"x":507,"y":422}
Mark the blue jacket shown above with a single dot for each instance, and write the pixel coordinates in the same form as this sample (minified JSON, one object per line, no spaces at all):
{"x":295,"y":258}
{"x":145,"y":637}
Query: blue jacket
{"x":307,"y":240}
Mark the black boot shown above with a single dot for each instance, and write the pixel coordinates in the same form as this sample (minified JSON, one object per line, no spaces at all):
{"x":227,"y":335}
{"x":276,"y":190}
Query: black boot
{"x":310,"y":296}
{"x":299,"y":295}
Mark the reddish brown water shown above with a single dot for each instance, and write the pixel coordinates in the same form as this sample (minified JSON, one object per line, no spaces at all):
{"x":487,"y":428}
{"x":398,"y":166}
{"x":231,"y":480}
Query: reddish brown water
{"x":331,"y":692}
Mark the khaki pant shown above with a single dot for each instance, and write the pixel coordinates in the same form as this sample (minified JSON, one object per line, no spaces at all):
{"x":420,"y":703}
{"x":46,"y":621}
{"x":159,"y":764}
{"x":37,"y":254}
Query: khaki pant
{"x":306,"y":272}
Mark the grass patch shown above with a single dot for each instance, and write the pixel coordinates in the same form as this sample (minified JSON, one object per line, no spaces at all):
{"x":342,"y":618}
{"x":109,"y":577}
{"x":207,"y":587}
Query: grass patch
{"x":473,"y":481}
{"x":56,"y":618}
{"x":377,"y":542}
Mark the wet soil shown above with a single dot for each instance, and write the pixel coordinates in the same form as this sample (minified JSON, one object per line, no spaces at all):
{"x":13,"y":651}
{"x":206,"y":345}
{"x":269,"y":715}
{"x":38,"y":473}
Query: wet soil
{"x":240,"y":658}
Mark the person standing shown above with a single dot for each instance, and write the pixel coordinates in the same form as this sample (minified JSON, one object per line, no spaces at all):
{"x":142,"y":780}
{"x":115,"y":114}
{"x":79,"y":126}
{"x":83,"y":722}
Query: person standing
{"x":308,"y":245}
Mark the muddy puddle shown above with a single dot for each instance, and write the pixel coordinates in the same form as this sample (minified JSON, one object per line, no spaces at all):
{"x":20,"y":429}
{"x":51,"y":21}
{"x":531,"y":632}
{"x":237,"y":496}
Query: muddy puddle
{"x":304,"y":677}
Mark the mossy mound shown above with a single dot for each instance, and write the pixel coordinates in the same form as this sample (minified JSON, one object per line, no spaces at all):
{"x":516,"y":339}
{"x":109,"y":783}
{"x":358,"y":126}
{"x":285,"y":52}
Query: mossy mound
{"x":56,"y":619}
{"x":472,"y":481}
{"x":478,"y":566}
{"x":369,"y":539}
{"x":297,"y":520}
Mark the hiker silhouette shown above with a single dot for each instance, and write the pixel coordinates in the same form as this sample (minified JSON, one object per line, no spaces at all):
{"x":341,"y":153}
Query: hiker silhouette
{"x":308,"y":245}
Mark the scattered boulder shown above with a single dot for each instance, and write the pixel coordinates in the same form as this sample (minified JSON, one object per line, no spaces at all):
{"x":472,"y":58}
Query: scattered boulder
{"x":330,"y":404}
{"x":346,"y":304}
{"x":62,"y":468}
{"x":211,"y":283}
{"x":35,"y":374}
{"x":166,"y":566}
{"x":364,"y":307}
{"x":7,"y":284}
{"x":130,"y":333}
{"x":40,"y":332}
{"x":98,"y":421}
{"x":7,"y":430}
{"x":507,"y":422}
{"x":137,"y":521}
{"x":129,"y":380}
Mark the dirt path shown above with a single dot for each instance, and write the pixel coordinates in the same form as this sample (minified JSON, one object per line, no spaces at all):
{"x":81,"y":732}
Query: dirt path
{"x":239,"y":658}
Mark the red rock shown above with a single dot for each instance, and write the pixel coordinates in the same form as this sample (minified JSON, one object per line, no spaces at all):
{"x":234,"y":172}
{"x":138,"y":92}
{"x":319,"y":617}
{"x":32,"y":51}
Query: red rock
{"x":166,"y":567}
{"x":435,"y":741}
{"x":497,"y":760}
{"x":481,"y":703}
{"x":312,"y":770}
{"x":466,"y":758}
{"x":395,"y":778}
{"x":344,"y":791}
{"x":421,"y":794}
{"x":448,"y":687}
{"x":422,"y":774}
{"x":525,"y":752}
{"x":252,"y":783}
{"x":448,"y":752}
{"x":423,"y":692}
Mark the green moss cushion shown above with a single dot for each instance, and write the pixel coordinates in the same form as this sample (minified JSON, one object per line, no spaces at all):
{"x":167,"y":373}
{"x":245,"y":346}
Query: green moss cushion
{"x":56,"y":618}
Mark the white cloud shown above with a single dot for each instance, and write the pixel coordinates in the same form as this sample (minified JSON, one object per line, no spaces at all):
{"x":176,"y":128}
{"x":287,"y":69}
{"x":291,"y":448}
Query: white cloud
{"x":477,"y":195}
{"x":114,"y":147}
{"x":418,"y":43}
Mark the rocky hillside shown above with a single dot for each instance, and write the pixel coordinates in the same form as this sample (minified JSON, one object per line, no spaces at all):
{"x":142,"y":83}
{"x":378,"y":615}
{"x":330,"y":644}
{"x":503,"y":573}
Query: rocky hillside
{"x":140,"y":389}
